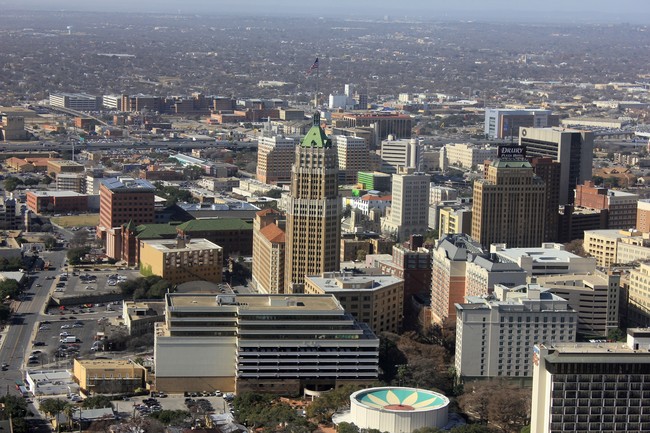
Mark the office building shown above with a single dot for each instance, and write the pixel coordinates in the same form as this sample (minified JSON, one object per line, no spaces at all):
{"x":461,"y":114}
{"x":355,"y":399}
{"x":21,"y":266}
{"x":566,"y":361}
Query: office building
{"x":383,"y":124}
{"x":76,"y":101}
{"x":58,"y":166}
{"x":439,"y":193}
{"x":408,"y":212}
{"x":140,"y":316}
{"x":275,"y":154}
{"x":484,"y":271}
{"x":313,"y":210}
{"x":181,"y":260}
{"x":56,"y":202}
{"x":467,"y":156}
{"x":109,"y":376}
{"x":269,"y":241}
{"x":265,"y":343}
{"x":549,"y":171}
{"x":638,"y":296}
{"x":124,"y":199}
{"x":12,"y":127}
{"x":374,"y":181}
{"x":594,"y":296}
{"x":621,"y":206}
{"x":454,"y":220}
{"x":376,"y":300}
{"x":604,"y":245}
{"x":495,"y":334}
{"x":71,"y":182}
{"x":573,"y":149}
{"x":502,"y":123}
{"x":509,"y":205}
{"x":396,"y":153}
{"x":548,"y":259}
{"x":573,"y":222}
{"x":599,"y":387}
{"x":112,"y":102}
{"x":353,"y":157}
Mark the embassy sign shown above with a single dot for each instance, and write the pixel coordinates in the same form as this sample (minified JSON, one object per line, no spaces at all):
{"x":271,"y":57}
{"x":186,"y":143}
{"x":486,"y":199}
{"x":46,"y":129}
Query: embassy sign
{"x":511,"y":153}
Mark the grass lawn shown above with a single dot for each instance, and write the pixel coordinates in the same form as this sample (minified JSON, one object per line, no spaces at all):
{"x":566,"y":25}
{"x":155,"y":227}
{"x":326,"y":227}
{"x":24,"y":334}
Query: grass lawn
{"x":86,"y":220}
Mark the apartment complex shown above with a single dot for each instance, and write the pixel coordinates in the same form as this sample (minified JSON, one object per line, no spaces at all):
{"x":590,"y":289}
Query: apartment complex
{"x":495,"y":334}
{"x":124,"y":199}
{"x":353,"y":157}
{"x":180,"y":260}
{"x":509,"y":205}
{"x":467,"y":156}
{"x":275,"y":154}
{"x":376,"y":300}
{"x":600,"y":387}
{"x":505,"y":122}
{"x":408,"y":212}
{"x":313,"y":210}
{"x":265,"y":343}
{"x":573,"y":149}
{"x":269,"y":251}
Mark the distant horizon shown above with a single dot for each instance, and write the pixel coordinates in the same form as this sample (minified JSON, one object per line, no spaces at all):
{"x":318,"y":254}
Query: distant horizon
{"x":553,"y":11}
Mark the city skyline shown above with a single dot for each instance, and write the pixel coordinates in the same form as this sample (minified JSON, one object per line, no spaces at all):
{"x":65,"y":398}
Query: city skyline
{"x":491,"y":10}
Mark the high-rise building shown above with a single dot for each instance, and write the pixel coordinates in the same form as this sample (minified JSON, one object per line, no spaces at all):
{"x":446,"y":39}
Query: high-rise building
{"x":572,"y":148}
{"x":71,"y":182}
{"x":396,"y":153}
{"x":638,"y":296}
{"x":124,"y":199}
{"x":353,"y":157}
{"x":269,"y":251}
{"x":275,"y":154}
{"x":468,"y":156}
{"x":509,"y":205}
{"x":495,"y":334}
{"x":409,"y":210}
{"x":643,"y":216}
{"x":600,"y":387}
{"x":505,"y":123}
{"x":313,"y":210}
{"x":549,"y":171}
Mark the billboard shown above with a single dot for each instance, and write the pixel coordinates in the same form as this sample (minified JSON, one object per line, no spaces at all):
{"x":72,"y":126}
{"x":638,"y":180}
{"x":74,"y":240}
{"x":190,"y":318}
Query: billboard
{"x":511,"y":153}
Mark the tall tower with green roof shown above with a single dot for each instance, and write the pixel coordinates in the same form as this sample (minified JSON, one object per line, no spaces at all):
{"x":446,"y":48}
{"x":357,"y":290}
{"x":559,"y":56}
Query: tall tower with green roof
{"x":313,"y":211}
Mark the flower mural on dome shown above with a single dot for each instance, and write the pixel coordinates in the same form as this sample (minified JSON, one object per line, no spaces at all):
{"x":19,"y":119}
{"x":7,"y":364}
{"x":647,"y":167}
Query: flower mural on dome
{"x":405,"y":399}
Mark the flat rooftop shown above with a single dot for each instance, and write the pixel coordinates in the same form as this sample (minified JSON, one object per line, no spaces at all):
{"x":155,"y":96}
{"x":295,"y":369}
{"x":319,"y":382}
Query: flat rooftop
{"x":57,"y":194}
{"x":350,"y":282}
{"x":306,"y":303}
{"x":603,"y":353}
{"x":172,"y":245}
{"x":108,"y":363}
{"x":541,"y":255}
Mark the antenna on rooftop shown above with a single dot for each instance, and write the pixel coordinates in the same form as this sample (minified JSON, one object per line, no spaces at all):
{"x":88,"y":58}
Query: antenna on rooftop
{"x":69,"y":29}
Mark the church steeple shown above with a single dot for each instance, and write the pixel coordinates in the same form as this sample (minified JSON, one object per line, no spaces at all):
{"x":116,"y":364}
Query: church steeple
{"x":316,"y":137}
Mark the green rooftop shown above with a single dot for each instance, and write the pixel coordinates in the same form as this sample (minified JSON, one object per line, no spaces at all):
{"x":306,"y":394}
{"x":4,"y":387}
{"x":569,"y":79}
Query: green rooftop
{"x":215,"y":224}
{"x":316,"y":137}
{"x":157,"y":231}
{"x":511,"y":164}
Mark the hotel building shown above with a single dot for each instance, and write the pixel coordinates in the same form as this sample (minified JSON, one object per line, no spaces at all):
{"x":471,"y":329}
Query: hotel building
{"x":275,"y":154}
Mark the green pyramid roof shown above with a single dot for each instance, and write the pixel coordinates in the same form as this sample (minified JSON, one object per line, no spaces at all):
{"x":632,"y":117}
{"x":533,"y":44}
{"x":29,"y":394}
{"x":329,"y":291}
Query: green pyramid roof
{"x":316,"y":137}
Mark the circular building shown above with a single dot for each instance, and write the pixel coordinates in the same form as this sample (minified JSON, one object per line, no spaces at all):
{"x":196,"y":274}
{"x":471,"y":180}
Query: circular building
{"x":397,"y":410}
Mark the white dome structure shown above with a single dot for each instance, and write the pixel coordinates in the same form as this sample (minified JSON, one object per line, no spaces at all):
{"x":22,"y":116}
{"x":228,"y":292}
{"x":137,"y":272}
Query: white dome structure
{"x":396,"y":409}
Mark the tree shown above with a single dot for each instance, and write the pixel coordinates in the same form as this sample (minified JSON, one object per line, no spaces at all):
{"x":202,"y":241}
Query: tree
{"x":427,"y":430}
{"x":76,"y":254}
{"x":346,"y":427}
{"x":497,"y":403}
{"x":53,"y":407}
{"x":172,"y":417}
{"x":49,"y":242}
{"x":11,"y":183}
{"x":616,"y":335}
{"x":576,"y":247}
{"x":9,"y":289}
{"x":97,"y":402}
{"x":5,"y":313}
{"x":15,"y":408}
{"x":361,"y":255}
{"x":472,"y":428}
{"x":389,"y":357}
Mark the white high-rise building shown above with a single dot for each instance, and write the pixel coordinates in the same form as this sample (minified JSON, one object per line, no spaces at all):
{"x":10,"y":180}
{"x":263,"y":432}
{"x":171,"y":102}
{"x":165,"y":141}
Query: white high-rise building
{"x":408,"y":213}
{"x":353,"y":157}
{"x":495,"y":334}
{"x":405,"y":152}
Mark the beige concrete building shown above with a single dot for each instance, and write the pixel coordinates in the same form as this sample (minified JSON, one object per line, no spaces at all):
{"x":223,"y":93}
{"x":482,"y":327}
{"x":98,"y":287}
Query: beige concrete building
{"x":638,"y":309}
{"x":109,"y":376}
{"x":464,"y":155}
{"x":71,"y":182}
{"x":180,"y":260}
{"x":275,"y":153}
{"x":57,"y":166}
{"x":595,"y":297}
{"x":269,"y":251}
{"x":139,"y":317}
{"x":313,"y":210}
{"x":376,"y":300}
{"x":509,"y":205}
{"x":604,"y":245}
{"x":264,"y":343}
{"x":453,"y":220}
{"x":408,"y":212}
{"x":643,"y":216}
{"x":353,"y":157}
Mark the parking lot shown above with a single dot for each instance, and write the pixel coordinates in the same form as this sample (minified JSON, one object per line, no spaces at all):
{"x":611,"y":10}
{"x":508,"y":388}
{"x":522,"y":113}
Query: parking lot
{"x":79,"y":282}
{"x":143,"y":405}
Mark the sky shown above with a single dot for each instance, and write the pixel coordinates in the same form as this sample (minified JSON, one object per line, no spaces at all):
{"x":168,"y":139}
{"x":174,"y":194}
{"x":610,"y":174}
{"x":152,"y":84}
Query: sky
{"x":637,"y":11}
